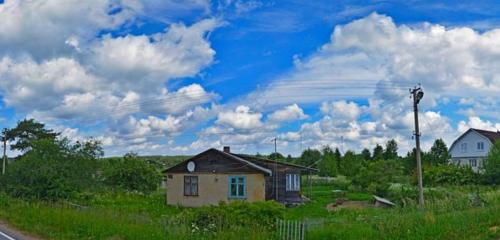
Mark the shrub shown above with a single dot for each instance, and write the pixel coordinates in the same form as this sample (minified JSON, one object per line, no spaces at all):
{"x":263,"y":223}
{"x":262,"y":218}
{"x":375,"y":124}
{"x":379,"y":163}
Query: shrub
{"x":131,"y":173}
{"x":377,"y":176}
{"x":449,"y":174}
{"x":341,"y":182}
{"x":53,"y":169}
{"x":213,"y":219}
{"x":491,"y":165}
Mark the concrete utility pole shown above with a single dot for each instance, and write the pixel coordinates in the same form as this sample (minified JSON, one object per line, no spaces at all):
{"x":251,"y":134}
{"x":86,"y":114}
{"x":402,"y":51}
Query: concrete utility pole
{"x":4,"y":162}
{"x":417,"y":95}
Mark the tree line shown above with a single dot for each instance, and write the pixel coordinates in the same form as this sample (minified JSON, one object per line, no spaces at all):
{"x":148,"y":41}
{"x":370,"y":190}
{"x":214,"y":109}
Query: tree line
{"x":331,"y":162}
{"x":374,"y":170}
{"x":51,"y":167}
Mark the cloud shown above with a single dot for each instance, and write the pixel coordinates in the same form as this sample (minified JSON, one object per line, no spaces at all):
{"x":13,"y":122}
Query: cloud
{"x":374,"y":60}
{"x":28,"y":85}
{"x":153,"y":126}
{"x":247,"y":6}
{"x":142,"y":61}
{"x":374,"y":57}
{"x":179,"y":101}
{"x":477,"y":122}
{"x":288,"y":113}
{"x":79,"y":64}
{"x":241,"y":118}
{"x":341,"y":110}
{"x":119,"y":72}
{"x":41,"y":28}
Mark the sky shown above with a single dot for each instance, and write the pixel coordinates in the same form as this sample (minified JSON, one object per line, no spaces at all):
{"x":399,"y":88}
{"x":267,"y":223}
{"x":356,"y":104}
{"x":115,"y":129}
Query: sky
{"x":169,"y":77}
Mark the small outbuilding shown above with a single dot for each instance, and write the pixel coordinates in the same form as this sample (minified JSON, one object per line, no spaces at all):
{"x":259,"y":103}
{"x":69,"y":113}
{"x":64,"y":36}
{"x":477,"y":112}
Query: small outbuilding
{"x":382,"y":202}
{"x":217,"y":176}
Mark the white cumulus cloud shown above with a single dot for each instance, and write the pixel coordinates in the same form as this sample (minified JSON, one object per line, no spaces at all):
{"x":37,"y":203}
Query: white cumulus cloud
{"x":288,"y":113}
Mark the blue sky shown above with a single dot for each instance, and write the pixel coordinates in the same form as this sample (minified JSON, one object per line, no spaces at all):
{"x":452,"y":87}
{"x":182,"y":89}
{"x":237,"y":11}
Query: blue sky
{"x":177,"y":77}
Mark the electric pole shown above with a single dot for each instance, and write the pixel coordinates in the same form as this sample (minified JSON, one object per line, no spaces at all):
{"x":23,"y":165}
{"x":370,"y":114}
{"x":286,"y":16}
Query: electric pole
{"x":4,"y":162}
{"x":276,"y":167}
{"x":417,"y":95}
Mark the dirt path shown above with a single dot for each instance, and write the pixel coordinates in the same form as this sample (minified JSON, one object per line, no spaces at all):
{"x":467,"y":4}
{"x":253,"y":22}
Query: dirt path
{"x":8,"y":233}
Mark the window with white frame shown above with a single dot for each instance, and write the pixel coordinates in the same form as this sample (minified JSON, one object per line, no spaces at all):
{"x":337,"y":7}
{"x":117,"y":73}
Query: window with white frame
{"x":480,"y":146}
{"x":463,"y":147}
{"x":292,"y":182}
{"x":473,"y":162}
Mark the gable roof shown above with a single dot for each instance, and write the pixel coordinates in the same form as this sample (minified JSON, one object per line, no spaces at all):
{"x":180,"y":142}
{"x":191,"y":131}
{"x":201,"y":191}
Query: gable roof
{"x":256,"y":166}
{"x":490,"y":135}
{"x":266,"y":161}
{"x":259,"y":164}
{"x":227,"y":156}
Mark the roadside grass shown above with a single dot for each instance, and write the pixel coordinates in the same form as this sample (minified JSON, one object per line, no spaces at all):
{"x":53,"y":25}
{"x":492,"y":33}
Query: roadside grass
{"x":448,"y":215}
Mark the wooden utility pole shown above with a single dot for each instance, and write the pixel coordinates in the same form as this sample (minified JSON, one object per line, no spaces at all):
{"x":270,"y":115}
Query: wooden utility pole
{"x":4,"y":162}
{"x":276,"y":168}
{"x":417,"y":95}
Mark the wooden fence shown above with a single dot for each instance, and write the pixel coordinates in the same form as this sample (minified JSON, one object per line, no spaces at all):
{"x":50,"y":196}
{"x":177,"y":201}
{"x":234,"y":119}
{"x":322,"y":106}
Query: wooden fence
{"x":290,"y":230}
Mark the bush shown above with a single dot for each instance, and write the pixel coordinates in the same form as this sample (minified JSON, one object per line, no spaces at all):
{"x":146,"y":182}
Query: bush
{"x":213,"y":219}
{"x":131,"y":173}
{"x":376,"y":177}
{"x":53,"y":170}
{"x":491,"y":165}
{"x":449,"y":174}
{"x":341,"y":182}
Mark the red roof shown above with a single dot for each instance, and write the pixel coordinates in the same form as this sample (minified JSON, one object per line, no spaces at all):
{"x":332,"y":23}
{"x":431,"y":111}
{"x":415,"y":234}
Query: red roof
{"x":491,"y":135}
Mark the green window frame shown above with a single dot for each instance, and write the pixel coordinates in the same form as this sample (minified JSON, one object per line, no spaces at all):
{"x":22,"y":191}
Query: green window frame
{"x":237,"y":187}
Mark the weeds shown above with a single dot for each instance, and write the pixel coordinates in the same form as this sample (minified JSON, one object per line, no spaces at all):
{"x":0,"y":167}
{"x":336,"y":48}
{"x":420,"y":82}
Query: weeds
{"x":449,"y":214}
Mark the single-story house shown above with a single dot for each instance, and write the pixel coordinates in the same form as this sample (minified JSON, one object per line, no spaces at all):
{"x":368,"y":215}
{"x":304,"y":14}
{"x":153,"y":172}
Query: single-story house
{"x":472,"y":147}
{"x":215,"y":176}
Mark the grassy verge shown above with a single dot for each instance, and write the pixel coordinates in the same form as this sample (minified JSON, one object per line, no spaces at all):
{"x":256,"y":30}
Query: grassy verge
{"x":134,"y":216}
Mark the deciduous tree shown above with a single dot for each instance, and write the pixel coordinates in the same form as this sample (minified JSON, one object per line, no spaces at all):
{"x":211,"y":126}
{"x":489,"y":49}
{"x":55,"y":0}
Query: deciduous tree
{"x":378,"y":153}
{"x":391,"y":150}
{"x":438,"y":154}
{"x":491,"y":165}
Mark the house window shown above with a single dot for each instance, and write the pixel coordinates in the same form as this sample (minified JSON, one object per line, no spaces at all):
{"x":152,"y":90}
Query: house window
{"x":473,"y":162}
{"x":190,"y":185}
{"x":292,"y":182}
{"x":463,"y":147}
{"x":237,"y":186}
{"x":480,"y":146}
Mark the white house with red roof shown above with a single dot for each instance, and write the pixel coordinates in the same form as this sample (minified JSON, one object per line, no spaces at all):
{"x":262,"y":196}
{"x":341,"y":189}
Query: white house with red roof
{"x":472,"y":147}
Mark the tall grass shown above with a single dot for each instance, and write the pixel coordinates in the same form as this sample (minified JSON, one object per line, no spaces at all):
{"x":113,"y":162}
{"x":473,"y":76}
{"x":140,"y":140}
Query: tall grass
{"x":448,"y":215}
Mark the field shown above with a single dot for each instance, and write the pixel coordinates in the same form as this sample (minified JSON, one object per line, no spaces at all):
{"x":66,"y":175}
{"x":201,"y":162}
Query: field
{"x":449,"y":215}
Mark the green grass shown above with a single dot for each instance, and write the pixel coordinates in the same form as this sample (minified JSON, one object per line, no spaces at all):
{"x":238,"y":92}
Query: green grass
{"x":133,"y":216}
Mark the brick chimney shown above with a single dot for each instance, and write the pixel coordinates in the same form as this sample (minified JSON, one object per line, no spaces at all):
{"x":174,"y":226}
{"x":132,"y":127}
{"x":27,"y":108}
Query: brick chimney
{"x":227,"y":149}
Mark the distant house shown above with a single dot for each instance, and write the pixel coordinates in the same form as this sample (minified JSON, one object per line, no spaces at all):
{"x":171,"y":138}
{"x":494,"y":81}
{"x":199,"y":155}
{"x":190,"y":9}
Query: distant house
{"x":472,"y":147}
{"x":214,"y":176}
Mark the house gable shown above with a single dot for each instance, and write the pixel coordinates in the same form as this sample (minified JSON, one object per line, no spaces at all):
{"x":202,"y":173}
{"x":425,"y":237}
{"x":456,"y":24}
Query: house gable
{"x":491,"y":135}
{"x":215,"y":161}
{"x":471,"y":137}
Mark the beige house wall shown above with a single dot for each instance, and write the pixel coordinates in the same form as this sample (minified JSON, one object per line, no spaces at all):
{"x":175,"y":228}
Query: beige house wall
{"x":212,"y":189}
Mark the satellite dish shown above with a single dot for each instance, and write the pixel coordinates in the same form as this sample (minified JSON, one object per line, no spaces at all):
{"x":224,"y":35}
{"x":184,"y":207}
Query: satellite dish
{"x":190,"y":166}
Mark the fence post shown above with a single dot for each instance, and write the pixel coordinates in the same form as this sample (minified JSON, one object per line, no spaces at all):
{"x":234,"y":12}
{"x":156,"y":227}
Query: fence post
{"x":280,"y":228}
{"x":303,"y":230}
{"x":296,"y":235}
{"x":283,"y":229}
